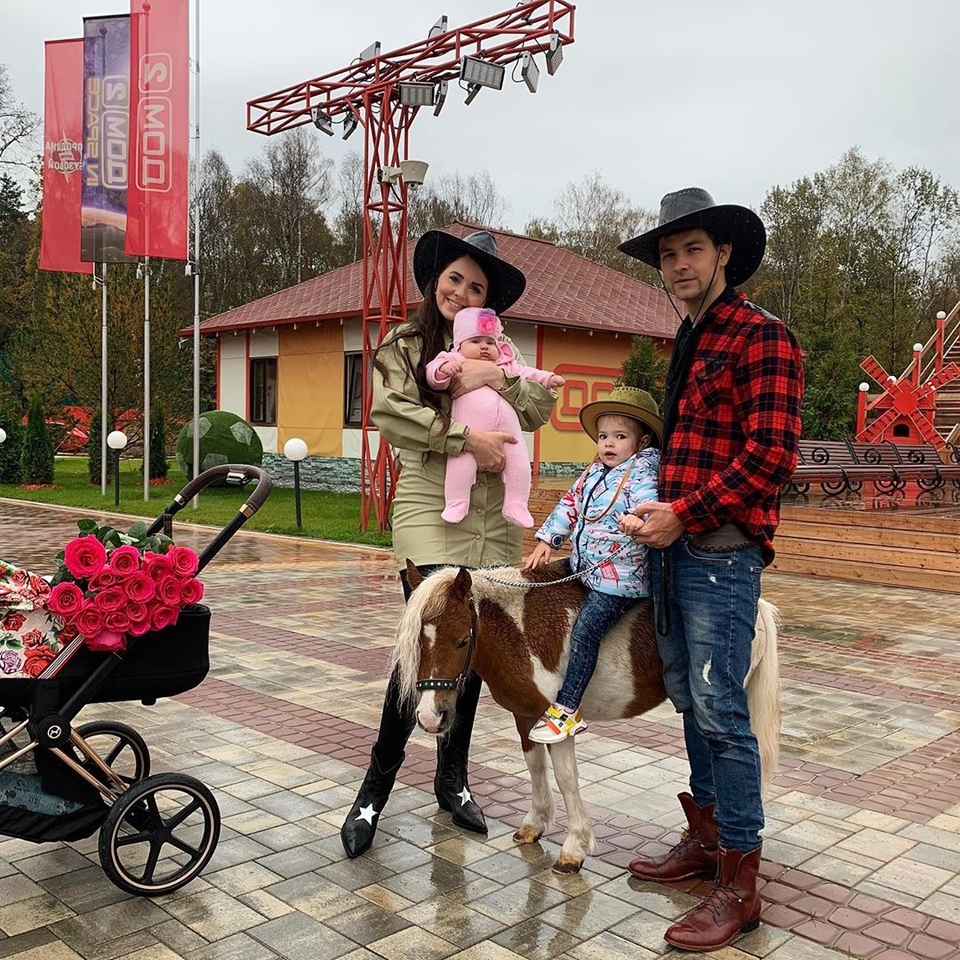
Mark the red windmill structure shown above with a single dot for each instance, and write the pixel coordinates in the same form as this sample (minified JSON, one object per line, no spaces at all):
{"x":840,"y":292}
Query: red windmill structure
{"x":905,"y":408}
{"x":383,"y":93}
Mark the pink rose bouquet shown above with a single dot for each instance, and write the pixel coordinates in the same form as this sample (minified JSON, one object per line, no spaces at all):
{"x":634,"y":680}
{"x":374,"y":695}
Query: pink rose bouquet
{"x":110,"y":584}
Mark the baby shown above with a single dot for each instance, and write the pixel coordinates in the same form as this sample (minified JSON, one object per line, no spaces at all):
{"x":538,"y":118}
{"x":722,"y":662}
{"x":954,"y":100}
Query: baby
{"x":478,"y":335}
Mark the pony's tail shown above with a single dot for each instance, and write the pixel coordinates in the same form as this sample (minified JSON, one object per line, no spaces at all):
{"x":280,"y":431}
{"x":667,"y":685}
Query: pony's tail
{"x":763,"y":690}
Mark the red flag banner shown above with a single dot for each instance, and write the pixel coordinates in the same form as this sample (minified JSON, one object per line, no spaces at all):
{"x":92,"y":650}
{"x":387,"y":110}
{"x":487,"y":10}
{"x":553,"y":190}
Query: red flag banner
{"x":62,"y":157}
{"x":106,"y":139}
{"x":158,"y":192}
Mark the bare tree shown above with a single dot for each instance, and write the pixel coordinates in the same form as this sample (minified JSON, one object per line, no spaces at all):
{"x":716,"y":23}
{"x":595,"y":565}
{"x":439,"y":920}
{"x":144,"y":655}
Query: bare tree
{"x":472,"y":199}
{"x":17,"y":125}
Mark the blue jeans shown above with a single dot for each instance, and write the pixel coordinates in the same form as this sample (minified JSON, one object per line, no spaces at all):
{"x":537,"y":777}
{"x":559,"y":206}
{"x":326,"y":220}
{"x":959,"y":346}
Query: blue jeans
{"x":711,"y":603}
{"x":600,"y":611}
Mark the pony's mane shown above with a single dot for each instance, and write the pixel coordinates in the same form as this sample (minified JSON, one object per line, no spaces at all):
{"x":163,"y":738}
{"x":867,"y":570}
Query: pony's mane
{"x":429,"y":599}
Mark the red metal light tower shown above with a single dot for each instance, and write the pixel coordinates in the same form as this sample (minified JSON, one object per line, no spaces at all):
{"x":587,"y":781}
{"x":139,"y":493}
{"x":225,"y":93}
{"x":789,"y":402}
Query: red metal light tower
{"x":383,"y":93}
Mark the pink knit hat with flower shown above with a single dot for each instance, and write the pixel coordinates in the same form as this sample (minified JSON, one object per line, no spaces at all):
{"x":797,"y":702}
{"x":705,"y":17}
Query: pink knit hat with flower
{"x":475,"y":322}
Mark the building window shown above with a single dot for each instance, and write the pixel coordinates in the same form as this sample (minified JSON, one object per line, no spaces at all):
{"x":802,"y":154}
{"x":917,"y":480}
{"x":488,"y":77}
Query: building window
{"x":353,"y":389}
{"x":263,"y":391}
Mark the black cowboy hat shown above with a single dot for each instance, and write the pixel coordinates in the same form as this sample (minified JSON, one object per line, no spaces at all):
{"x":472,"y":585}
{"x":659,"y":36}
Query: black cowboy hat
{"x":437,"y":246}
{"x":693,"y":207}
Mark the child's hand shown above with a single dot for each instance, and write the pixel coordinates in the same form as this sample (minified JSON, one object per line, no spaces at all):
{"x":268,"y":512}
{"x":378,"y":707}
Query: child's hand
{"x":540,"y":554}
{"x":629,"y":524}
{"x":555,"y":381}
{"x":450,"y":367}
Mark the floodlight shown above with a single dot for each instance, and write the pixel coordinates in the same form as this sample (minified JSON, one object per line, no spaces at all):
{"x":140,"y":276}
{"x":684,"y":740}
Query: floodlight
{"x":473,"y":70}
{"x":321,"y":121}
{"x":349,"y":125}
{"x":441,"y":97}
{"x":529,"y":71}
{"x":554,"y":54}
{"x":372,"y":51}
{"x":472,"y":92}
{"x":438,"y":28}
{"x":417,"y":93}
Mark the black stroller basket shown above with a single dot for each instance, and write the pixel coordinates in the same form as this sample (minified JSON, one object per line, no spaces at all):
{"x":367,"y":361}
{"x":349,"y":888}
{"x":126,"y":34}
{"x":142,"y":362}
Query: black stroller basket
{"x":60,"y":782}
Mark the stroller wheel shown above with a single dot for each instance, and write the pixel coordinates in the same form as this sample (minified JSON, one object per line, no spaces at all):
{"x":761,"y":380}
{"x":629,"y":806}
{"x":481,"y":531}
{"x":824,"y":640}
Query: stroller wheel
{"x":120,"y":747}
{"x":159,"y":834}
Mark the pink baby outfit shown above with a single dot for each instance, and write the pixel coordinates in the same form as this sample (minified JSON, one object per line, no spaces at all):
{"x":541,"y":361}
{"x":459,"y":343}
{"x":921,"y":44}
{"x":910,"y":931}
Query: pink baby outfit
{"x":485,"y":409}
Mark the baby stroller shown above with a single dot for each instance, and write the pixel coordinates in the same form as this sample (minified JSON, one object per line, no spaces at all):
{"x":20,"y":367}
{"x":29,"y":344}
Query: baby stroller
{"x":60,"y":782}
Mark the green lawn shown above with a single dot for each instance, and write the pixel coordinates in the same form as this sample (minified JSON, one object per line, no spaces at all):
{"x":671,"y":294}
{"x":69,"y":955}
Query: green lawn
{"x":328,"y":516}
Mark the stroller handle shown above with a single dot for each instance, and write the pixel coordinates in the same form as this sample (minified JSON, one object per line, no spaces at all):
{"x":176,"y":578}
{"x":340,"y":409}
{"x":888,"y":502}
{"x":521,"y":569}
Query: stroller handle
{"x":233,"y":473}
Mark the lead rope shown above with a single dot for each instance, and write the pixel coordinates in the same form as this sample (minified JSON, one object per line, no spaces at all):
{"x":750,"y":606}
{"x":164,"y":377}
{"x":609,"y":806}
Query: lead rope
{"x":527,"y":585}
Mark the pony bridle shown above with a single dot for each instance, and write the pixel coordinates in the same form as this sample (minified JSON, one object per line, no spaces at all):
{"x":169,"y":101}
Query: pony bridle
{"x":468,"y":640}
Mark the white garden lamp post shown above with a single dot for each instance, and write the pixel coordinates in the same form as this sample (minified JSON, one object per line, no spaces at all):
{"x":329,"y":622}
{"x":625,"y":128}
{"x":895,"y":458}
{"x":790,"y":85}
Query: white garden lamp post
{"x":116,"y":441}
{"x":295,"y":450}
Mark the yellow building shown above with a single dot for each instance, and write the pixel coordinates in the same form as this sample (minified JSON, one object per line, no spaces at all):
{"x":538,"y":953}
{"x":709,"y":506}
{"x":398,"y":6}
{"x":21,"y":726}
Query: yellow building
{"x":290,"y":363}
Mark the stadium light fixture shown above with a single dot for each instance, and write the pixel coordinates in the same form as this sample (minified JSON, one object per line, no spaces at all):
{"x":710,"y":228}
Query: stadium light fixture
{"x":372,"y":51}
{"x":321,"y":121}
{"x":474,"y":71}
{"x":529,"y":71}
{"x":415,"y":93}
{"x":554,"y":54}
{"x":349,"y":125}
{"x":438,"y":28}
{"x":441,"y":97}
{"x":472,"y":92}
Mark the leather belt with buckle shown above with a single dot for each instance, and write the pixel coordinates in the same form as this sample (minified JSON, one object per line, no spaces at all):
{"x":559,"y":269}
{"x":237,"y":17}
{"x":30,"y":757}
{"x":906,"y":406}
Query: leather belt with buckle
{"x":725,"y":539}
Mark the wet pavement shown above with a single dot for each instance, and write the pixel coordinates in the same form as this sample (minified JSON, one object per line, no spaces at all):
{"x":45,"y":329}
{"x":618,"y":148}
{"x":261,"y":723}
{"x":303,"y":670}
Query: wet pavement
{"x":862,"y":846}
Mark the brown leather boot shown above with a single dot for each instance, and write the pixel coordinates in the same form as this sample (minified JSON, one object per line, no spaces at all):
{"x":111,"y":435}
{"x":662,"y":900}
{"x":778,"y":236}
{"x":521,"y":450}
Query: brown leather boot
{"x":695,"y":855}
{"x":732,"y":907}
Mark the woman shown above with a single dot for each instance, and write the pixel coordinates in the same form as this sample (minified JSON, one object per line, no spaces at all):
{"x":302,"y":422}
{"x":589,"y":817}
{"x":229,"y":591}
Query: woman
{"x":452,"y":273}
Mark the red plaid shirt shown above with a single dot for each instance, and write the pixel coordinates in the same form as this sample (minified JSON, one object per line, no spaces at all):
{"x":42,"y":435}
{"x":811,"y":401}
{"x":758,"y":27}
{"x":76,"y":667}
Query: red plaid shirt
{"x":734,"y":440}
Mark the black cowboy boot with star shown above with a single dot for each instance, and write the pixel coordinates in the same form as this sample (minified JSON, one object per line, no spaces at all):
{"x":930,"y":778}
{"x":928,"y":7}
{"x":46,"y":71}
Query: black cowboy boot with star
{"x":387,"y":755}
{"x":450,"y":783}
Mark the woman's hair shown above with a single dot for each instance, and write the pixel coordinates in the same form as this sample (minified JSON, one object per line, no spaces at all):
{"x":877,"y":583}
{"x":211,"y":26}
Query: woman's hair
{"x":428,"y":325}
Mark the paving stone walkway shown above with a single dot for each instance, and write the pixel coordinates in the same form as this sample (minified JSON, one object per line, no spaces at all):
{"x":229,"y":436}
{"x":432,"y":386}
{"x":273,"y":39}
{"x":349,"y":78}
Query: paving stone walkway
{"x":862,"y":846}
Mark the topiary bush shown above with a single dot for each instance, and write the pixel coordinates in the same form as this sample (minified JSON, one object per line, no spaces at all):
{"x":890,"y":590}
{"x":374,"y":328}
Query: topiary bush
{"x":10,"y":469}
{"x":224,"y":438}
{"x":36,"y":456}
{"x":158,"y":445}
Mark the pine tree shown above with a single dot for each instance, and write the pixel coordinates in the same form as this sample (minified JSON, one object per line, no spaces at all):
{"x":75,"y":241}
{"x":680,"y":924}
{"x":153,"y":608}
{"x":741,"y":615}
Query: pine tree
{"x":643,"y":367}
{"x":10,"y":470}
{"x":94,"y":452}
{"x":158,"y":445}
{"x":36,"y":457}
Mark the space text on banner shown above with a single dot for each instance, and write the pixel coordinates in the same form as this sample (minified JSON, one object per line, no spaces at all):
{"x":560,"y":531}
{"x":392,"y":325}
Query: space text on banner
{"x":158,"y":188}
{"x":62,"y":157}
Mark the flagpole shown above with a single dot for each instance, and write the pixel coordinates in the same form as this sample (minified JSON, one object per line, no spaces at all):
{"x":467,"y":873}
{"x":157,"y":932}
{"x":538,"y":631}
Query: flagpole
{"x":104,"y":430}
{"x":146,"y":376}
{"x":196,"y":254}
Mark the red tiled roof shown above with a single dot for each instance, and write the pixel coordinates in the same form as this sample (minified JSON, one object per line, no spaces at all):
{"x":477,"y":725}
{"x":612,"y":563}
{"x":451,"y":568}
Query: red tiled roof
{"x":563,"y":289}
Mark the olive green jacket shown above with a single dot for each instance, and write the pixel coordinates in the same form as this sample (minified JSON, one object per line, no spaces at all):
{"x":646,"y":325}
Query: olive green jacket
{"x":418,"y":433}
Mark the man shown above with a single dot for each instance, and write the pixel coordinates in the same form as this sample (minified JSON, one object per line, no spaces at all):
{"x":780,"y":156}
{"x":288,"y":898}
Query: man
{"x":731,"y":426}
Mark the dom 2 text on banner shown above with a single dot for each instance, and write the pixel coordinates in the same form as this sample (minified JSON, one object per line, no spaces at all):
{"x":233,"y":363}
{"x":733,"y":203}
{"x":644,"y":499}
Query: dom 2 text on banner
{"x":158,"y":189}
{"x":106,"y":140}
{"x":62,"y":157}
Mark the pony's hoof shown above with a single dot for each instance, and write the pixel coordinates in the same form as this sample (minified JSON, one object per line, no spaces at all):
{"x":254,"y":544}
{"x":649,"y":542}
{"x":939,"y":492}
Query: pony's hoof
{"x":566,"y":865}
{"x":527,"y":835}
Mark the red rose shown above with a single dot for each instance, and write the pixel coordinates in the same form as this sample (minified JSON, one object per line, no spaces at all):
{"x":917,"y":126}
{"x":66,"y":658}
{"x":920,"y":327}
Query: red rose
{"x":162,"y":617}
{"x":139,"y":627}
{"x":108,"y":640}
{"x":89,"y":621}
{"x":65,"y":600}
{"x":105,"y":578}
{"x":113,"y":598}
{"x":138,"y":612}
{"x":85,"y":556}
{"x":191,"y":591}
{"x":124,"y":560}
{"x":184,"y":560}
{"x":117,"y":621}
{"x":13,"y":621}
{"x":157,"y":565}
{"x":168,"y":590}
{"x":139,"y":587}
{"x":36,"y":660}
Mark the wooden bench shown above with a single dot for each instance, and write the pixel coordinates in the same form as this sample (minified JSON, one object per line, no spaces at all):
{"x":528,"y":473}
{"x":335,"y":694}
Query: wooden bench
{"x":842,"y":467}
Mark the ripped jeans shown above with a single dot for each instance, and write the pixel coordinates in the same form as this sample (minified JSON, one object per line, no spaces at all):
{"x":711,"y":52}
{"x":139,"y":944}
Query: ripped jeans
{"x":711,"y":603}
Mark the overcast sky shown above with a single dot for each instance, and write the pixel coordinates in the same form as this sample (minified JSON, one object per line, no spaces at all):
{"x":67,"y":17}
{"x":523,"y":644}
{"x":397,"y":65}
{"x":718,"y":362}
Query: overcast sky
{"x":735,"y":96}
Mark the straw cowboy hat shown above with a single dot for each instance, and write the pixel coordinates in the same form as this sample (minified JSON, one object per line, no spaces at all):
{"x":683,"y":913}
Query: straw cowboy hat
{"x":693,"y":207}
{"x":625,"y":402}
{"x":437,"y":246}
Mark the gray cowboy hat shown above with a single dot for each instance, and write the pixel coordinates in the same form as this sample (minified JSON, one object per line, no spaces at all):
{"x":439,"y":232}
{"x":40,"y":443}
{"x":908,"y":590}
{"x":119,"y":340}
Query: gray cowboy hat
{"x":629,"y":402}
{"x":693,"y":207}
{"x":436,"y":246}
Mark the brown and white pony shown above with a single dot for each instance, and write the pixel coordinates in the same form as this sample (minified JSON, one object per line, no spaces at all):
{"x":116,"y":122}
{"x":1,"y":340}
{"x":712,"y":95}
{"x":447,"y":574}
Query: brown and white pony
{"x":516,"y":636}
